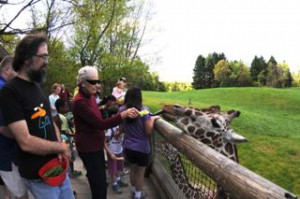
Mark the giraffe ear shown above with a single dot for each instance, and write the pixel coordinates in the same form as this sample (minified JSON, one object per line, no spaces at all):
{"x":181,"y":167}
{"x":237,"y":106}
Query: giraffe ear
{"x":215,"y":123}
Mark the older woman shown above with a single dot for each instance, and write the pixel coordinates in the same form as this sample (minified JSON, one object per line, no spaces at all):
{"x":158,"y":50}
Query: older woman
{"x":89,"y":129}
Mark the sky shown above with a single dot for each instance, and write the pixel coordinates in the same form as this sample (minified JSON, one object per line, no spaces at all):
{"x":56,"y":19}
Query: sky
{"x":181,"y":30}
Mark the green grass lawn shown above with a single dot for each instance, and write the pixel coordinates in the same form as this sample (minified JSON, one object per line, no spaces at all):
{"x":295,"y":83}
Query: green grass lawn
{"x":270,"y":119}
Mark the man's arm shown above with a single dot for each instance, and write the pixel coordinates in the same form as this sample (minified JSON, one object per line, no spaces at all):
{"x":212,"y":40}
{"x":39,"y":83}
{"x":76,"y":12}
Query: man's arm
{"x":36,"y":145}
{"x":6,"y":132}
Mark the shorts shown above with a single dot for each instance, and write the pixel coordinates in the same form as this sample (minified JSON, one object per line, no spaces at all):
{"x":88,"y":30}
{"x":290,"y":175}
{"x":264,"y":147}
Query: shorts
{"x":136,"y":157}
{"x":14,"y":182}
{"x":41,"y":190}
{"x":115,"y":165}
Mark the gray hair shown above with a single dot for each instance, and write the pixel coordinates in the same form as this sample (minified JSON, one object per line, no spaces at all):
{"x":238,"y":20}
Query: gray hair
{"x":84,"y":73}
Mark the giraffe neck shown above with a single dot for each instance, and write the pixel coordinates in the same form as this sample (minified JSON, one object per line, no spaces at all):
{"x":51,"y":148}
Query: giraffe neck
{"x":180,"y":177}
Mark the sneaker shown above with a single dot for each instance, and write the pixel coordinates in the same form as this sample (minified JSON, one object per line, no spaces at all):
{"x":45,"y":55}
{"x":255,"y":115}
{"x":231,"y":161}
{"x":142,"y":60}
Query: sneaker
{"x":116,"y":188}
{"x":122,"y":184}
{"x":124,"y":172}
{"x":75,"y":174}
{"x":143,"y":196}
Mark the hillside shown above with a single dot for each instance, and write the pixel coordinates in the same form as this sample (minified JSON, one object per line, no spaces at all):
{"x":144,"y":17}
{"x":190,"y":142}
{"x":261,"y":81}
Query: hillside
{"x":270,"y":119}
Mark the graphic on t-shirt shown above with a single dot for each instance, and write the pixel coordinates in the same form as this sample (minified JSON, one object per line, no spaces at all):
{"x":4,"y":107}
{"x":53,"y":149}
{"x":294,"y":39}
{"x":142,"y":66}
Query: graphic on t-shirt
{"x":43,"y":118}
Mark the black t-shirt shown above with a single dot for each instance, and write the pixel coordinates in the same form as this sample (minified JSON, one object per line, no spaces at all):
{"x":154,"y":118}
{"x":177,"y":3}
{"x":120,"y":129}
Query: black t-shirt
{"x":23,"y":100}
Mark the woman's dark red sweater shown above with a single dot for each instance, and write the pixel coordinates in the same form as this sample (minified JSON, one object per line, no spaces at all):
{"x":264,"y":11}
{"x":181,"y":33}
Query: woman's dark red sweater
{"x":89,"y":124}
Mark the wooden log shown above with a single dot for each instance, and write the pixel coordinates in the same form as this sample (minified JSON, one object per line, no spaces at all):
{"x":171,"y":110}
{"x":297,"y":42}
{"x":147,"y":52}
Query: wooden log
{"x":234,"y":178}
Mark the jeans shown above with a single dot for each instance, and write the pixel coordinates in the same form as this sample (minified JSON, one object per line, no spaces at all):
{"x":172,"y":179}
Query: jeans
{"x":41,"y":190}
{"x":95,"y":166}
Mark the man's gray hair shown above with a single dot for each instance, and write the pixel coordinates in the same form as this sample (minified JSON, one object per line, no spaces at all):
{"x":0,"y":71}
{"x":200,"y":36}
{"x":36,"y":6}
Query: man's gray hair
{"x":84,"y":73}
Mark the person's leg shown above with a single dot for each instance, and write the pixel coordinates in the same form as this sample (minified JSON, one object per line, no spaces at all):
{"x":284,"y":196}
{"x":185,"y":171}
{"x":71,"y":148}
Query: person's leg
{"x":112,"y":171}
{"x":132,"y":178}
{"x":119,"y":170}
{"x":65,"y":188}
{"x":14,"y":183}
{"x":96,"y":174}
{"x":139,"y":178}
{"x":112,"y":168}
{"x":142,"y":160}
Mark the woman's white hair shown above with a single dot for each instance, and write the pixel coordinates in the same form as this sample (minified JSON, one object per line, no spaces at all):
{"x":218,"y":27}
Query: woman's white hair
{"x":85,"y":72}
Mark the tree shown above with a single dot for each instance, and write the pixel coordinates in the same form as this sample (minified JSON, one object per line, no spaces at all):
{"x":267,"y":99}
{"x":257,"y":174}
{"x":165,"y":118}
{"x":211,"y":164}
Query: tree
{"x":288,"y":82}
{"x":272,"y":61}
{"x":234,"y":73}
{"x":243,"y":74}
{"x":287,"y":76}
{"x":203,"y":71}
{"x":274,"y":76}
{"x":257,"y":66}
{"x":198,"y":75}
{"x":222,"y":74}
{"x":212,"y":60}
{"x":55,"y":13}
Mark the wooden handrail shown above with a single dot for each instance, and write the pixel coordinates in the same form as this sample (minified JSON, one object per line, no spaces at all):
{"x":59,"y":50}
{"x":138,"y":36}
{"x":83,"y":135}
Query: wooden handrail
{"x":234,"y":178}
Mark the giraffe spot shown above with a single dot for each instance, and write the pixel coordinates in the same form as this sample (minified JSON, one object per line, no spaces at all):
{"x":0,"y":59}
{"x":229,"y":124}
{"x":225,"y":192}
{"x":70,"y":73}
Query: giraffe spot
{"x":201,"y":137}
{"x":210,"y":134}
{"x":216,"y":140}
{"x":199,"y":131}
{"x":188,"y":112}
{"x":191,"y":129}
{"x":185,"y":121}
{"x":219,"y":144}
{"x":198,"y":113}
{"x":206,"y":141}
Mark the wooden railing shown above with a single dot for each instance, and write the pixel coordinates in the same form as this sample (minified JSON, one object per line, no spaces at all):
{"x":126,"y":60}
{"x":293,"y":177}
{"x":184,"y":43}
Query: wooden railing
{"x":238,"y":181}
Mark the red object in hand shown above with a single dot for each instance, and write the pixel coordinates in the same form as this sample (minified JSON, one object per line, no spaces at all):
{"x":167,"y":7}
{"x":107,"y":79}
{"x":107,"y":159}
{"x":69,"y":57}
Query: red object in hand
{"x":55,"y":180}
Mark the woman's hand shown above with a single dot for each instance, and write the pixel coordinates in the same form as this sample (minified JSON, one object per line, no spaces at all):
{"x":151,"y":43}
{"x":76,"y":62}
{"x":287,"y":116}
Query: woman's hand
{"x":131,"y":113}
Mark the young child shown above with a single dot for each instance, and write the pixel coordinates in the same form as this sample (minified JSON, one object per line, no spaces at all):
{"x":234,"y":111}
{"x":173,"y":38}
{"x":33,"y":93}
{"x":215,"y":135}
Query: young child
{"x":67,"y":135}
{"x":114,"y":149}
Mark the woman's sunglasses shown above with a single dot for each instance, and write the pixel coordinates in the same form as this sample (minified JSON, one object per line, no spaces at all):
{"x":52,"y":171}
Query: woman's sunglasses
{"x":93,"y":82}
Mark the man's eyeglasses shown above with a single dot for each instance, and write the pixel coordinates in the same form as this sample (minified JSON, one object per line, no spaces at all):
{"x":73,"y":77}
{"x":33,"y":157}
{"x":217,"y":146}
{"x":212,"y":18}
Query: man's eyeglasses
{"x":44,"y":57}
{"x":93,"y":82}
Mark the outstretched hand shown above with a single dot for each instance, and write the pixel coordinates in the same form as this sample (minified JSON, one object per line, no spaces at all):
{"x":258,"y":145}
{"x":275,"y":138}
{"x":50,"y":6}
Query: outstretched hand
{"x":131,"y":113}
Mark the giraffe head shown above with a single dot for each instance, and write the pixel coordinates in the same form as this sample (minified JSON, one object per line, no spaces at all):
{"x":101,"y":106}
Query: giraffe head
{"x":202,"y":123}
{"x":209,"y":125}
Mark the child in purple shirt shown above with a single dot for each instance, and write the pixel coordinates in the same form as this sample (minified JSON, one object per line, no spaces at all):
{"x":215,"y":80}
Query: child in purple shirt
{"x":137,"y":140}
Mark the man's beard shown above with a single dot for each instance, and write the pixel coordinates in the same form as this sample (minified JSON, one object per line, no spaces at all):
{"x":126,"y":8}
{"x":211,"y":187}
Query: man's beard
{"x":38,"y":76}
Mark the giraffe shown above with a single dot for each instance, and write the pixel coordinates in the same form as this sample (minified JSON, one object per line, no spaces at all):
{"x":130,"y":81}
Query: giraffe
{"x":179,"y":174}
{"x":210,"y":126}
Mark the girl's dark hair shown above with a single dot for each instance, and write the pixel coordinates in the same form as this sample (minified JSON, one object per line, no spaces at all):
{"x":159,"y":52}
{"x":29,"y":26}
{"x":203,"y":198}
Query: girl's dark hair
{"x":133,"y":98}
{"x":28,"y":47}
